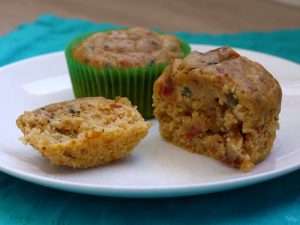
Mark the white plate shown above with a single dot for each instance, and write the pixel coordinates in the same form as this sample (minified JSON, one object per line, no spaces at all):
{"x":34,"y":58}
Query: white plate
{"x":156,"y":168}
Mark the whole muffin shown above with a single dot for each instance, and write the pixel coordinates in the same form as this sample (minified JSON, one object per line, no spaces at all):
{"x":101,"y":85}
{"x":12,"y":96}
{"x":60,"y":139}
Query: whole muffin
{"x":85,"y":132}
{"x":122,"y":63}
{"x":219,"y":104}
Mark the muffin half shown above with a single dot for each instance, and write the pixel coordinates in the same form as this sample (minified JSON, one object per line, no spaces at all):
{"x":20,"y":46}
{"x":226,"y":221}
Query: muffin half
{"x":219,"y":104}
{"x":85,"y":132}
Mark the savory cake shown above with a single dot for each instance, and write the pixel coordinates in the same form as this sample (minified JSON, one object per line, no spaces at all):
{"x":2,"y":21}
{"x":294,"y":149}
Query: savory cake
{"x":85,"y":132}
{"x":133,"y":47}
{"x":219,"y":104}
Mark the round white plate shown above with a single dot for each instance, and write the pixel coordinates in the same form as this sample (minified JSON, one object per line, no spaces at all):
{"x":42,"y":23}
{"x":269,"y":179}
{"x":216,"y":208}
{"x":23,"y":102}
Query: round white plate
{"x":156,"y":168}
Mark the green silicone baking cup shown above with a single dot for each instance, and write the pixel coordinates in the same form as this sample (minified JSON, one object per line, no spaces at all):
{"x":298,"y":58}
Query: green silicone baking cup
{"x":135,"y":83}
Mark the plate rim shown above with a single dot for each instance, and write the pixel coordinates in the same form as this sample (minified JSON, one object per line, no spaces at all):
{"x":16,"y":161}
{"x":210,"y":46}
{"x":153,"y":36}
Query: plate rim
{"x":151,"y":191}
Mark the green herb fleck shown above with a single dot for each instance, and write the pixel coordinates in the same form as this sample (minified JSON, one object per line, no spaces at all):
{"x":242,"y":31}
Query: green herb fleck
{"x":74,"y":111}
{"x":186,"y":92}
{"x":231,"y":100}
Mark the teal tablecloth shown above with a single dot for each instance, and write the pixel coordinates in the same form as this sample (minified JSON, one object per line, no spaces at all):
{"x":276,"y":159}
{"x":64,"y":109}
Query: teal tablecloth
{"x":272,"y":202}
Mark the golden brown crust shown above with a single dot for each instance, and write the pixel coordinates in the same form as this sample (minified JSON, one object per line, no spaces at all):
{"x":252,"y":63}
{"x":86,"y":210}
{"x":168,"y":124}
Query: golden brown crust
{"x":85,"y":132}
{"x":219,"y":104}
{"x":133,"y":47}
{"x":250,"y":77}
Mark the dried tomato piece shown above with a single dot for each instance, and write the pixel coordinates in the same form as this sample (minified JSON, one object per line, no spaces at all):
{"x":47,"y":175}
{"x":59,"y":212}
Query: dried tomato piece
{"x":115,"y":106}
{"x":168,"y":88}
{"x":192,"y":132}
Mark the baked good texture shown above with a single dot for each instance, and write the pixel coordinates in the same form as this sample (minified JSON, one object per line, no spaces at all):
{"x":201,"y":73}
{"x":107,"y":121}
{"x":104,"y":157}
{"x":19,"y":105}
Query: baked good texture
{"x":85,"y":132}
{"x":134,"y":47}
{"x":219,"y":104}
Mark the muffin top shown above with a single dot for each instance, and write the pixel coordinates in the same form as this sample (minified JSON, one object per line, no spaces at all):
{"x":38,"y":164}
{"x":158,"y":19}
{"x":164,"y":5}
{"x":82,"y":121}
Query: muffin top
{"x":229,"y":66}
{"x":134,"y":47}
{"x":237,"y":75}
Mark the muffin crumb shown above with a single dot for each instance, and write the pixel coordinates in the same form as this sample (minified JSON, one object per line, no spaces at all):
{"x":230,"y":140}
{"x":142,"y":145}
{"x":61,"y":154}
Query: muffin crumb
{"x":85,"y":132}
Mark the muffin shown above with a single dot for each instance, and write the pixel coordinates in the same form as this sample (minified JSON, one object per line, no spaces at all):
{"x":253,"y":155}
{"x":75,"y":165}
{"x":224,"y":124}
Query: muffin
{"x":85,"y":132}
{"x":123,"y":62}
{"x":219,"y":104}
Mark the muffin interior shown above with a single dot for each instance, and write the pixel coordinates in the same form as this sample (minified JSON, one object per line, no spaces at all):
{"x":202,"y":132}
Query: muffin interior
{"x":85,"y":132}
{"x":64,"y":122}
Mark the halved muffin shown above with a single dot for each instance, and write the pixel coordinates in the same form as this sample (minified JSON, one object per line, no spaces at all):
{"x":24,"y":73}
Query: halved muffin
{"x":219,"y":104}
{"x":85,"y":132}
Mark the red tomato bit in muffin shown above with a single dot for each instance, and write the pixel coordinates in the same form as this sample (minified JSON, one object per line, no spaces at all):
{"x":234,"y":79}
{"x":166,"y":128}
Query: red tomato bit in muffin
{"x":168,"y":88}
{"x":115,"y":106}
{"x":192,"y":132}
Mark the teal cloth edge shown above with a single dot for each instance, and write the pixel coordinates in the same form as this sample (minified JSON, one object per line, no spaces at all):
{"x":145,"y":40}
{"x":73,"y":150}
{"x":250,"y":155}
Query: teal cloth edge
{"x":272,"y":202}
